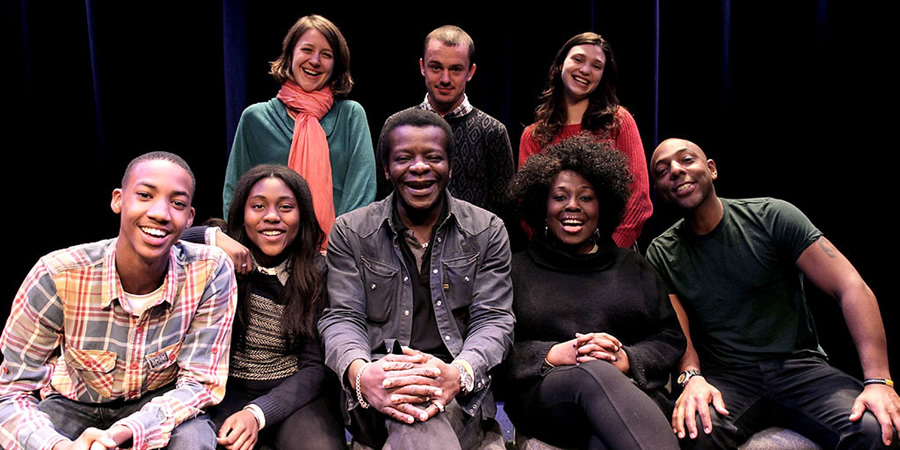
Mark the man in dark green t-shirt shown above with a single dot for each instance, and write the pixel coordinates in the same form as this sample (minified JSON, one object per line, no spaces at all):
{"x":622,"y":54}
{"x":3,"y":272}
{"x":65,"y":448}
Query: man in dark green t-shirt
{"x":736,"y":270}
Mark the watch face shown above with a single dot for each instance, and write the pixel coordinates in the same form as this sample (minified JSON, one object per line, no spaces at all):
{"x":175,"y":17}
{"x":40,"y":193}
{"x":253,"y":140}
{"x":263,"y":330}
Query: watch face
{"x":681,"y":378}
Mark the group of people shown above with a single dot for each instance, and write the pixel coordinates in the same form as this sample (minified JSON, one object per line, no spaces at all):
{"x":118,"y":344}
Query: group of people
{"x":313,"y":307}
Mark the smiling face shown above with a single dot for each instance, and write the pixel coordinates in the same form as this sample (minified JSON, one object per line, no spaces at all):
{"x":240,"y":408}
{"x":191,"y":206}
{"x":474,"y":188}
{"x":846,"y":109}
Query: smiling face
{"x":155,"y":207}
{"x":572,"y":211}
{"x":683,"y":175}
{"x":313,"y":61}
{"x":418,"y":168}
{"x":446,"y":69}
{"x":582,"y":70}
{"x":271,"y":220}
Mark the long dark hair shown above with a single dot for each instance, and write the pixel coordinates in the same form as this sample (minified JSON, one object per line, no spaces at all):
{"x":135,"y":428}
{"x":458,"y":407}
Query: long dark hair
{"x":600,"y":115}
{"x":304,"y":296}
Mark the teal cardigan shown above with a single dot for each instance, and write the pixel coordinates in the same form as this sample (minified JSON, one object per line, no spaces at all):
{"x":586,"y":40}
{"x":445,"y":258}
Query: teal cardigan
{"x":264,"y":137}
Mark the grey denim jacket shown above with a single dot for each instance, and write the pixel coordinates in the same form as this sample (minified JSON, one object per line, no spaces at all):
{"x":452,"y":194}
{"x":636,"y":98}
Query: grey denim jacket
{"x":371,"y":298}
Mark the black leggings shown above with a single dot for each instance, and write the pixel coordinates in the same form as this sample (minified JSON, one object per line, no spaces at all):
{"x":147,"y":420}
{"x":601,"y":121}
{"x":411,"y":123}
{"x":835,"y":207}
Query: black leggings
{"x":595,"y":404}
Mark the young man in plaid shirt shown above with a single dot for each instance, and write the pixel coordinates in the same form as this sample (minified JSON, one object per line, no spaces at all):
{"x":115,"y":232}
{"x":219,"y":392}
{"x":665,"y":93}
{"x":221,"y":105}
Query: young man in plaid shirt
{"x":127,"y":339}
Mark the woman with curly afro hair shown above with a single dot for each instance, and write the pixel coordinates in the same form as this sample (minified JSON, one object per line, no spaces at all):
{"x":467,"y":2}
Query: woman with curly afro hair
{"x":596,"y":335}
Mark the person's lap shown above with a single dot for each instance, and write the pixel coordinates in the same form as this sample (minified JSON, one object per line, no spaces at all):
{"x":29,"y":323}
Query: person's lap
{"x":805,"y":395}
{"x":71,"y":418}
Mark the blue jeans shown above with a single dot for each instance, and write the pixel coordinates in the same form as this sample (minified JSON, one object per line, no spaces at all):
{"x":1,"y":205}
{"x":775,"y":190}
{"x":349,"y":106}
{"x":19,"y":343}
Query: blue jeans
{"x":805,"y":395}
{"x":71,"y":418}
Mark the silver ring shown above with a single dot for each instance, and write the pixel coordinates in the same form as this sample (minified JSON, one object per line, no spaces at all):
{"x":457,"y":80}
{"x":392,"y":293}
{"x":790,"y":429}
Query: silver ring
{"x":440,"y":406}
{"x":244,"y":265}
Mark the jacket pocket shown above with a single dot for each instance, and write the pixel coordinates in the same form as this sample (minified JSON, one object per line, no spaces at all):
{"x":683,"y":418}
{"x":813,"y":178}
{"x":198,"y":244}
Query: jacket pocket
{"x":163,"y":369}
{"x":96,"y":368}
{"x":459,"y":279}
{"x":381,"y":284}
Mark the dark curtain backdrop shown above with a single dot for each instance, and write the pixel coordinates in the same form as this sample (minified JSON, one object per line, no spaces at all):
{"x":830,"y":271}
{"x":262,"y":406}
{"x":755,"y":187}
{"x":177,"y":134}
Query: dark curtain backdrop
{"x":790,"y":98}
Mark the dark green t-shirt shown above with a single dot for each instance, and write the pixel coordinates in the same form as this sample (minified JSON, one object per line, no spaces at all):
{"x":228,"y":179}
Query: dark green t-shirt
{"x":740,"y":284}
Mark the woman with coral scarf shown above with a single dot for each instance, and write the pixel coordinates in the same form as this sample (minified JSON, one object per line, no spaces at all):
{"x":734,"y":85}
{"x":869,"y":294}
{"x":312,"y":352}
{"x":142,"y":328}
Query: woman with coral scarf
{"x":309,"y":126}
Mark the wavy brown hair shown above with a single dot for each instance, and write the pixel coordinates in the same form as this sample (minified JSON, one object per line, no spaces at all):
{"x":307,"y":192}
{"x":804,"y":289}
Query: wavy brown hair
{"x":304,"y":296}
{"x":341,"y":82}
{"x":603,"y":104}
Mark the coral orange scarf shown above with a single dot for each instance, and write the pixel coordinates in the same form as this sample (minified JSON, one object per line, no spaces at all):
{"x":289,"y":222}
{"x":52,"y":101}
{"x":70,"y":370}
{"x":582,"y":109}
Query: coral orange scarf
{"x":309,"y":148}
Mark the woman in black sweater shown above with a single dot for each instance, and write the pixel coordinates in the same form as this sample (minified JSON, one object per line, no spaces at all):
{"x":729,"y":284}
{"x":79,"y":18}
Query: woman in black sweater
{"x":596,"y":335}
{"x":279,"y":390}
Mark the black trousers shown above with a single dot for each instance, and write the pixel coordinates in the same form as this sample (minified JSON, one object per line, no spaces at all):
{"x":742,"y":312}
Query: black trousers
{"x":595,"y":405}
{"x":805,"y":395}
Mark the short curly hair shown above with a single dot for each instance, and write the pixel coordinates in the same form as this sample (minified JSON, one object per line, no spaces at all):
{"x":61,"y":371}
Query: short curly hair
{"x":599,"y":163}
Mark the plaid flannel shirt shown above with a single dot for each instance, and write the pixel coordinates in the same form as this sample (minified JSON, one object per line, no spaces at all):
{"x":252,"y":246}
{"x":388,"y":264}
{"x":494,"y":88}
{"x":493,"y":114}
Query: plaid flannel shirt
{"x":70,"y":332}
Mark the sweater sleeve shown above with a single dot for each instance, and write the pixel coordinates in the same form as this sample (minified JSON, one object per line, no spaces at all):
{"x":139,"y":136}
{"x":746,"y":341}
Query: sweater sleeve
{"x":653,"y":357}
{"x":359,"y":184}
{"x":239,"y":161}
{"x":501,"y":165}
{"x":528,"y":145}
{"x":639,"y":207}
{"x":299,"y":389}
{"x":527,"y":358}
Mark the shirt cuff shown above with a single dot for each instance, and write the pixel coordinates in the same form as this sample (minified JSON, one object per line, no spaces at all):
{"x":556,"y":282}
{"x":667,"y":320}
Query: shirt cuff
{"x":43,"y":438}
{"x":211,"y":235}
{"x":258,"y":413}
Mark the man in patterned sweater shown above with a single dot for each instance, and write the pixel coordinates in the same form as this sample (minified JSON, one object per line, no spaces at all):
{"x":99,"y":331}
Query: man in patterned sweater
{"x":127,"y":338}
{"x":483,"y":164}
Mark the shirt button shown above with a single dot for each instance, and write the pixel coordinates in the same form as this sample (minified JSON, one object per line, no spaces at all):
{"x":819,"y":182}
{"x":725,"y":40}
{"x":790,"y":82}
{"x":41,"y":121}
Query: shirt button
{"x":406,"y":313}
{"x":139,"y":329}
{"x":373,"y":286}
{"x":434,"y":271}
{"x":447,"y":337}
{"x":479,"y":385}
{"x":467,"y":279}
{"x":134,"y":366}
{"x":439,"y":239}
{"x":439,"y":303}
{"x":405,"y":278}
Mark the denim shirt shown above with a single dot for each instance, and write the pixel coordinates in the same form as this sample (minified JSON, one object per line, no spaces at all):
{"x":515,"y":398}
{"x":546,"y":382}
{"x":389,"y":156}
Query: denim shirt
{"x":371,"y":298}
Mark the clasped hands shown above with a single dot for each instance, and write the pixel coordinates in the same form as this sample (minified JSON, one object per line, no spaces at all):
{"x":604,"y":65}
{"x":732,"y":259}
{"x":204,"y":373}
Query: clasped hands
{"x":96,"y":439}
{"x":408,"y":387}
{"x":590,"y":347}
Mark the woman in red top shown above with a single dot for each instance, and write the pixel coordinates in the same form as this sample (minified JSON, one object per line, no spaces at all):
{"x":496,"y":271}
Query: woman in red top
{"x":581,"y":98}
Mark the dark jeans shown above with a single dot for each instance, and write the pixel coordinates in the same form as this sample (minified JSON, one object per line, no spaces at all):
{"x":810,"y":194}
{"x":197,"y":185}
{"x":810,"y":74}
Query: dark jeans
{"x":805,"y":395}
{"x":317,"y":425}
{"x":595,"y":405}
{"x":71,"y":418}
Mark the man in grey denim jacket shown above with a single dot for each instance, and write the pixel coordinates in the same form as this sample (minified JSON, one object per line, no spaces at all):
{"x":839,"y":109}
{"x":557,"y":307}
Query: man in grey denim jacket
{"x":420,"y":300}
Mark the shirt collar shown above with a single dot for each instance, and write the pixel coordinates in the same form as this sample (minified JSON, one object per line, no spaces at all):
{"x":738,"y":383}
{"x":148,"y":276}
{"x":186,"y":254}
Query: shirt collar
{"x":464,"y":108}
{"x":113,"y":290}
{"x":280,"y":271}
{"x":392,"y":216}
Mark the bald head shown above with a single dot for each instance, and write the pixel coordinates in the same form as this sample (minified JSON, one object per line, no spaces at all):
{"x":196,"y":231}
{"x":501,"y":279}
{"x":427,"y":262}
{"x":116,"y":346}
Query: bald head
{"x":673,"y":145}
{"x":684,"y":176}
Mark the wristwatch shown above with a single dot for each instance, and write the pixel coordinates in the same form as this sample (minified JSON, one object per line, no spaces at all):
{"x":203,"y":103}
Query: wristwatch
{"x":686,"y":376}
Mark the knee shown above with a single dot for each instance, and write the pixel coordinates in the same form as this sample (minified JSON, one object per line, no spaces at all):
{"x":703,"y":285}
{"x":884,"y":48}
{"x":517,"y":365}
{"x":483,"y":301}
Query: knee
{"x":864,"y":433}
{"x":194,"y":434}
